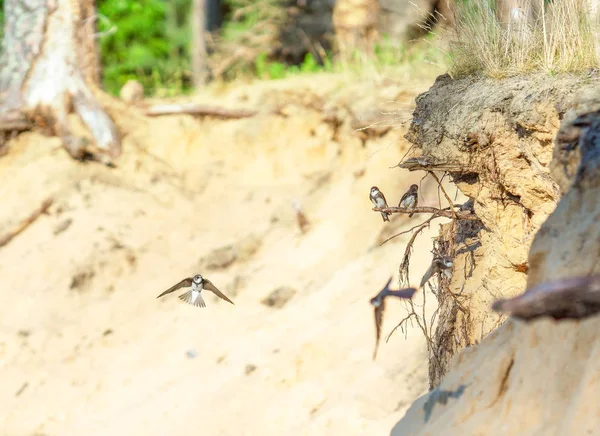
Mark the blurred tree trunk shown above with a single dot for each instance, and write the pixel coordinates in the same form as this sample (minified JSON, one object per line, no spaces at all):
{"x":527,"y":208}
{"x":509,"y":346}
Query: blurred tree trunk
{"x":199,"y":54}
{"x":355,"y":23}
{"x":50,"y":67}
{"x":172,"y":26}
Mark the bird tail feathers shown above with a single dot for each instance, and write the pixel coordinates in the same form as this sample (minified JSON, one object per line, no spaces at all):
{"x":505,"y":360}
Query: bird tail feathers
{"x":190,"y":298}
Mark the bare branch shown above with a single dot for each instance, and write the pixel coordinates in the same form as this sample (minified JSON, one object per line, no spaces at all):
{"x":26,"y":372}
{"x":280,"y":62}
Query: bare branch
{"x":409,"y":230}
{"x":444,"y":191}
{"x":466,"y":216}
{"x":199,"y":110}
{"x":406,"y":257}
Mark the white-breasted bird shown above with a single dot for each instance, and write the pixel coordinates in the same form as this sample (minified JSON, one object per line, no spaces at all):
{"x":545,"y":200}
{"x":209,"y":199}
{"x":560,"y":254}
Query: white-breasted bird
{"x":378,"y":199}
{"x":194,"y":295}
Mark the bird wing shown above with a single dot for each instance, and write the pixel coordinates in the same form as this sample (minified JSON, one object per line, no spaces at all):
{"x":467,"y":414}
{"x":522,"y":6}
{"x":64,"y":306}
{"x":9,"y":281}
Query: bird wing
{"x":378,"y":319}
{"x":184,"y":283}
{"x":207,"y":284}
{"x":383,"y":196}
{"x":403,"y":293}
{"x":428,"y":274}
{"x":387,"y":285}
{"x":404,"y":196}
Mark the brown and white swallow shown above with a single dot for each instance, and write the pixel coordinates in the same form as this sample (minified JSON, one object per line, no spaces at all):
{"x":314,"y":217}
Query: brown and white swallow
{"x":410,"y":199}
{"x":378,"y":302}
{"x":194,"y":295}
{"x":378,"y":199}
{"x":300,"y":217}
{"x":443,"y":264}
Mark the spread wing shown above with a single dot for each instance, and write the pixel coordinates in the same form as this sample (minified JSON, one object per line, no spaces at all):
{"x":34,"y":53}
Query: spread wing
{"x":378,"y":319}
{"x":403,"y":293}
{"x":184,"y":283}
{"x":207,"y":284}
{"x":428,"y":273}
{"x":387,"y":285}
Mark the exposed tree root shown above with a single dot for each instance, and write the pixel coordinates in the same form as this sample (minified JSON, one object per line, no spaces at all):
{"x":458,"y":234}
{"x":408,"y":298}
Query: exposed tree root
{"x":26,"y":222}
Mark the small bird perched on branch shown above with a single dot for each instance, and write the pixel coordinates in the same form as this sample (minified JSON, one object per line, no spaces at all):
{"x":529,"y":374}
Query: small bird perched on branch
{"x":410,"y":199}
{"x":378,"y":199}
{"x":194,"y":295}
{"x":378,"y":303}
{"x":439,"y":264}
{"x":301,"y":218}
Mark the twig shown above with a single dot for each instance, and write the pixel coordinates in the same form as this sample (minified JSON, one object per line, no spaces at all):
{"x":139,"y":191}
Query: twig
{"x":444,"y":191}
{"x":400,"y":324}
{"x":466,"y":216}
{"x":199,"y":110}
{"x":409,"y":230}
{"x":26,"y":222}
{"x":406,"y":257}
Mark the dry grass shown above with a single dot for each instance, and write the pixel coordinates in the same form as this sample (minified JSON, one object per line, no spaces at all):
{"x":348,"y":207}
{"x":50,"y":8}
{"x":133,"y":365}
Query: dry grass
{"x":561,"y":36}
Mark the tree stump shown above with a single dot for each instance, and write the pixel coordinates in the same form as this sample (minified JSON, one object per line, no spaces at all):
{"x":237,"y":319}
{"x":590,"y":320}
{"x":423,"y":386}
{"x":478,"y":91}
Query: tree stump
{"x":49,"y":68}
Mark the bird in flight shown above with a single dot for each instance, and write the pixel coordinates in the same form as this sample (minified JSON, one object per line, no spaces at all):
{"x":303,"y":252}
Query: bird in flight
{"x":378,"y":199}
{"x":378,"y":302}
{"x":194,"y":295}
{"x":438,"y":264}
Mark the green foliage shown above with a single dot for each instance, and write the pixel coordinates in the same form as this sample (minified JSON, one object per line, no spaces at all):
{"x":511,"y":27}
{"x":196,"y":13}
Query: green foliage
{"x":266,"y":69}
{"x":143,"y":46}
{"x":149,"y":40}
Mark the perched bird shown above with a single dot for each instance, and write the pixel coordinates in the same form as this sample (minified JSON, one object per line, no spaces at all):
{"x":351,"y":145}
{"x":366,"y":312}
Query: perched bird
{"x":378,"y":303}
{"x":194,"y":295}
{"x":438,"y":264}
{"x":410,"y":199}
{"x":302,"y":220}
{"x":378,"y":199}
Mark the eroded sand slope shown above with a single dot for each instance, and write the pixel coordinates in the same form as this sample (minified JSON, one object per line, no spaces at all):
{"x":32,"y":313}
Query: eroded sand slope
{"x":86,"y":348}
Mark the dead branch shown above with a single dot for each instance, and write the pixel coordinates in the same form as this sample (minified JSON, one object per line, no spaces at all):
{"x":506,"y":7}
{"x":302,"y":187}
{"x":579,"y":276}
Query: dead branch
{"x":444,"y":191}
{"x":406,"y":258}
{"x":199,"y":110}
{"x":567,"y":298}
{"x":14,"y":121}
{"x":427,"y":209}
{"x":400,"y":324}
{"x":409,"y":230}
{"x":26,"y":222}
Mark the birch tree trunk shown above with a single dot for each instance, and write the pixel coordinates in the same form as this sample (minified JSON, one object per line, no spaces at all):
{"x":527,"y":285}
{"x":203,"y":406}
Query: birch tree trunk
{"x":49,"y":68}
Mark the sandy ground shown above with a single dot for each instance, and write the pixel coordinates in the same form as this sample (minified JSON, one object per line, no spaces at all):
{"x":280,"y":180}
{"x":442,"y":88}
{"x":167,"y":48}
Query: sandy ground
{"x":85,"y":346}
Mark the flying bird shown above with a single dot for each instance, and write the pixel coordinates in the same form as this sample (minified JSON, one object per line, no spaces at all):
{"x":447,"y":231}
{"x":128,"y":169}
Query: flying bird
{"x":573,"y":297}
{"x":410,"y":199}
{"x":194,"y":295}
{"x":378,"y":199}
{"x":439,"y":264}
{"x":378,"y":302}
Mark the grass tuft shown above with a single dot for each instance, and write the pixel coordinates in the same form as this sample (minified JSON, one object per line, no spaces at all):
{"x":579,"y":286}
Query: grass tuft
{"x":555,"y":37}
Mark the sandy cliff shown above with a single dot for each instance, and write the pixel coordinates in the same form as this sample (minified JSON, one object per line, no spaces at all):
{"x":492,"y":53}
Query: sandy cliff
{"x":540,"y":378}
{"x":495,"y":138}
{"x":85,"y":346}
